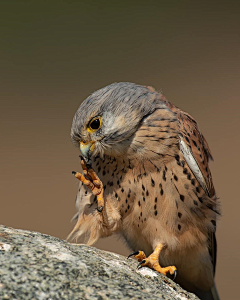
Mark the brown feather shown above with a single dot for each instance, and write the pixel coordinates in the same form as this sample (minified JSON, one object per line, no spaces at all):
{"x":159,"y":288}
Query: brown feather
{"x":159,"y":190}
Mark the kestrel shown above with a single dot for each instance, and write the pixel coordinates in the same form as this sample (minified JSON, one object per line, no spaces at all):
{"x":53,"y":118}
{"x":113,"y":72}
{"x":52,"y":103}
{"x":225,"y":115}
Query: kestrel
{"x":146,"y":178}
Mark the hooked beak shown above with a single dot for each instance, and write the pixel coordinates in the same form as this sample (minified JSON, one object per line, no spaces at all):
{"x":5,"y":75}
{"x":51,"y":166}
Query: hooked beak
{"x":87,"y":150}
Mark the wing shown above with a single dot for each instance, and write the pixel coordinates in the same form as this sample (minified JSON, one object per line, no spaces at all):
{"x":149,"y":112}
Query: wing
{"x":193,"y":146}
{"x":195,"y":149}
{"x":197,"y":154}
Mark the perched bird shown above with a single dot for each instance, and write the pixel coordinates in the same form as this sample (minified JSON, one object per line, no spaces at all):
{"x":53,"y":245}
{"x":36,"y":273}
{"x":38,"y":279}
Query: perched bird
{"x":146,"y":178}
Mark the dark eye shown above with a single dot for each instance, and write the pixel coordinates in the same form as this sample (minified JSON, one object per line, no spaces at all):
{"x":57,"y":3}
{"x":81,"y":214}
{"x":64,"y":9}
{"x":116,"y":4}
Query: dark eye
{"x":95,"y":124}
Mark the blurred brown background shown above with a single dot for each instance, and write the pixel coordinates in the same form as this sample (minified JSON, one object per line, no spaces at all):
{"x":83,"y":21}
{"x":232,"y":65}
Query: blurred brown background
{"x":53,"y":54}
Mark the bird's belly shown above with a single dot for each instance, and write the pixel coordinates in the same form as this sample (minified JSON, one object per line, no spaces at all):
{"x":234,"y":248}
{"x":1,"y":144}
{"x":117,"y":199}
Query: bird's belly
{"x":147,"y":235}
{"x":192,"y":261}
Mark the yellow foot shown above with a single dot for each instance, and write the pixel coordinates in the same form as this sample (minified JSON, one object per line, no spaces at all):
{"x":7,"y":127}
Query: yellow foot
{"x":92,"y":181}
{"x":153,"y":261}
{"x":140,"y":255}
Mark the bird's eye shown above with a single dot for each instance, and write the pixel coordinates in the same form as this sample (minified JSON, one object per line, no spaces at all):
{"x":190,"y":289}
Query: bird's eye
{"x":95,"y":124}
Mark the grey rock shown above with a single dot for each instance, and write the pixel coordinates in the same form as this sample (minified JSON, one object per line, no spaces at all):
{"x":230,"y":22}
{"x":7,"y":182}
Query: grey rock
{"x":39,"y":266}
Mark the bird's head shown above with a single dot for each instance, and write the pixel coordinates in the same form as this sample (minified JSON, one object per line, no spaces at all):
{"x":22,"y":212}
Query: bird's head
{"x":106,"y":122}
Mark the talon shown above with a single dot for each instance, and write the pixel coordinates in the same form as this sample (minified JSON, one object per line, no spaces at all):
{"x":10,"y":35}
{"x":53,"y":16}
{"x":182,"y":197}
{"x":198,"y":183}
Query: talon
{"x":74,"y":172}
{"x":140,"y":255}
{"x":174,"y":275}
{"x":132,"y":254}
{"x":100,"y":209}
{"x":89,"y":165}
{"x":141,"y":263}
{"x":152,"y":261}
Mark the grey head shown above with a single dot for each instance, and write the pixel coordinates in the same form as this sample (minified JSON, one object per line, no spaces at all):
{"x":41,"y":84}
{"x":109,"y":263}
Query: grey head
{"x":107,"y":120}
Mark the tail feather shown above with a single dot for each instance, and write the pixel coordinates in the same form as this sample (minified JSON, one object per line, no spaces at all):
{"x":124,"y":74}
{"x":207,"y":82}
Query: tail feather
{"x":214,"y":292}
{"x":209,"y":295}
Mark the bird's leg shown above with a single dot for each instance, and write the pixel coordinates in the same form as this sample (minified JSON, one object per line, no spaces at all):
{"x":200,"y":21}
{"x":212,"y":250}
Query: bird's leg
{"x":92,"y":181}
{"x":152,"y":261}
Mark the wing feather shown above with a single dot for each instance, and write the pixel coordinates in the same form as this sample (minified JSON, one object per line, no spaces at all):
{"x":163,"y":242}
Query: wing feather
{"x":197,"y":154}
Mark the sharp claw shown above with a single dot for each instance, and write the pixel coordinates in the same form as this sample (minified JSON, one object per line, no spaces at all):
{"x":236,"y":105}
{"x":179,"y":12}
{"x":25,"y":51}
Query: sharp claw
{"x":132,"y":254}
{"x":89,"y":165}
{"x":140,"y":264}
{"x":74,"y":172}
{"x":174,"y":275}
{"x":100,"y":208}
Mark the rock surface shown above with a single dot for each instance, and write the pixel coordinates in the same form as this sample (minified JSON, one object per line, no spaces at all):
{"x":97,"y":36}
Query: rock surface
{"x":38,"y":266}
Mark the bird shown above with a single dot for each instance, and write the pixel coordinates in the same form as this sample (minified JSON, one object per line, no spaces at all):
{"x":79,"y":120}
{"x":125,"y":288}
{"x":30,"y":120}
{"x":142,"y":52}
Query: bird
{"x":146,"y":178}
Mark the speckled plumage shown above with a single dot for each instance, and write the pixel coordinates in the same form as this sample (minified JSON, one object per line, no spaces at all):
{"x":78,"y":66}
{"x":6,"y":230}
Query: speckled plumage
{"x":153,"y":163}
